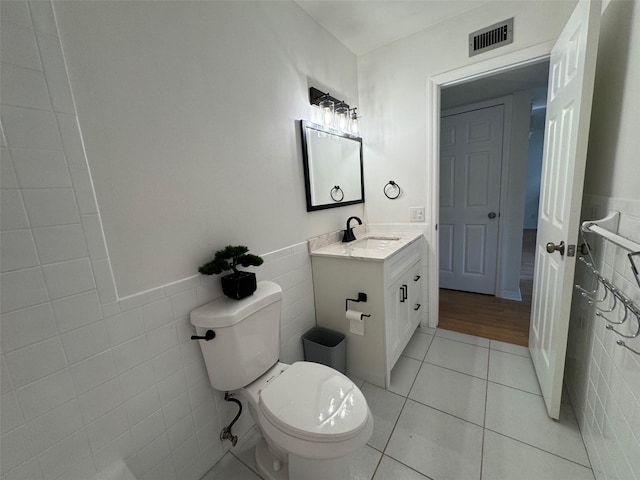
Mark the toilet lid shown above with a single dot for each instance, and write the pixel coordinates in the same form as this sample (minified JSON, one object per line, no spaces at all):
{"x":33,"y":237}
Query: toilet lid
{"x":313,"y":401}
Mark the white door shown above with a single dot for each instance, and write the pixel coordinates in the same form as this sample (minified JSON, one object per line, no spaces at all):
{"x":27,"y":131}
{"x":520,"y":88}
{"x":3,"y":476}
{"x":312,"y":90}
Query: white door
{"x":571,"y":75}
{"x":470,"y":168}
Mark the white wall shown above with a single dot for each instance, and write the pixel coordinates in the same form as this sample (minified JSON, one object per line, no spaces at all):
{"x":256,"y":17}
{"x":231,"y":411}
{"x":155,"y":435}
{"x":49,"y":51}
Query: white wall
{"x":513,"y":199}
{"x":613,"y":140}
{"x":88,"y":379}
{"x":188,"y":112}
{"x":534,"y":169}
{"x":392,"y":85}
{"x":604,"y":378}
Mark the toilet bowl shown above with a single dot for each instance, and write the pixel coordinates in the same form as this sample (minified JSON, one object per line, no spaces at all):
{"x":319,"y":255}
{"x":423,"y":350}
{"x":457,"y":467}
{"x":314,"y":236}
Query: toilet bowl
{"x":307,"y":411}
{"x":310,"y":415}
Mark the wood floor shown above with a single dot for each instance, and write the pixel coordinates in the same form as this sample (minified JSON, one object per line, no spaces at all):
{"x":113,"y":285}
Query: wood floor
{"x":488,"y":316}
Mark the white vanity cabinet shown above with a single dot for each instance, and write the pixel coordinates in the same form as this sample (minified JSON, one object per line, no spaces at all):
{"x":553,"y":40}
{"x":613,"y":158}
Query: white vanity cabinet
{"x":394,"y":288}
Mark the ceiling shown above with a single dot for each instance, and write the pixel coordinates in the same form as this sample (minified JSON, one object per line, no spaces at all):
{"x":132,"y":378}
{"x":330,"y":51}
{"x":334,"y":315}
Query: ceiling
{"x":364,"y":25}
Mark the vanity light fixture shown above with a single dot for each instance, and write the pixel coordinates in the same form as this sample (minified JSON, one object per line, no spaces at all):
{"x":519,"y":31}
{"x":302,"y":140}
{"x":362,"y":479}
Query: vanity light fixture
{"x":335,"y":113}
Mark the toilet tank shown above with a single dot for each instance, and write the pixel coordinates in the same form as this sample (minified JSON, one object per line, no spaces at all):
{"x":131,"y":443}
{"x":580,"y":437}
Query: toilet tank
{"x":247,"y":336}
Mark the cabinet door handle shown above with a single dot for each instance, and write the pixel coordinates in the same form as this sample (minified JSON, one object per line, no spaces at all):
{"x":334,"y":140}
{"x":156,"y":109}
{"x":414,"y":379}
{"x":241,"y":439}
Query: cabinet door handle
{"x":416,"y":278}
{"x":417,"y":307}
{"x":403,"y":293}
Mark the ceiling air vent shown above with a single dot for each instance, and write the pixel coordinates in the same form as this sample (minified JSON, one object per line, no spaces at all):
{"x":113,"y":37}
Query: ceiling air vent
{"x":491,"y":37}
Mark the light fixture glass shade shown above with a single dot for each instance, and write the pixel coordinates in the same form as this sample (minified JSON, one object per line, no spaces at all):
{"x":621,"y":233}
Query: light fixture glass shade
{"x":342,"y":116}
{"x":327,"y":107}
{"x":354,"y":127}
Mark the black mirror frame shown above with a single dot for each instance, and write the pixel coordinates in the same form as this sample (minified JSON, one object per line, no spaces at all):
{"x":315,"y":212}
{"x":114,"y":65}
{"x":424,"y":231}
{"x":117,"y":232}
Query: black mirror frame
{"x":635,"y":268}
{"x":304,"y":124}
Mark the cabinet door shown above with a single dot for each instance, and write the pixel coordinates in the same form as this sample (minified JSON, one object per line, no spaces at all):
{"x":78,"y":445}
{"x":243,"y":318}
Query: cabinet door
{"x":415,"y":295}
{"x":398,"y":322}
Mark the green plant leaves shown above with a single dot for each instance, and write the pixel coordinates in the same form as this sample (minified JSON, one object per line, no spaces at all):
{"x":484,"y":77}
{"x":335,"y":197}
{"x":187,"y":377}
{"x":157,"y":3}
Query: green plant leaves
{"x":228,"y":259}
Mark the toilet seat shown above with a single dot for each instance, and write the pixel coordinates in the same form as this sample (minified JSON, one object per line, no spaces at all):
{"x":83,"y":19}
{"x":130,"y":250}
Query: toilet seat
{"x":315,"y":403}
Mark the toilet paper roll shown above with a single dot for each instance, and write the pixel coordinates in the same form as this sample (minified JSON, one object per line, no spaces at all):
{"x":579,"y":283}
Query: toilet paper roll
{"x":356,"y":323}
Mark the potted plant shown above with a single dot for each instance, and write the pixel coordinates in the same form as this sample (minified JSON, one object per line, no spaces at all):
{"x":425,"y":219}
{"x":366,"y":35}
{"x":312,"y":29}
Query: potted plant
{"x":238,"y":284}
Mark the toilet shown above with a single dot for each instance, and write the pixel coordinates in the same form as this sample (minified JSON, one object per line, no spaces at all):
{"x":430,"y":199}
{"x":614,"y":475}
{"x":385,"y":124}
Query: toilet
{"x":310,"y":415}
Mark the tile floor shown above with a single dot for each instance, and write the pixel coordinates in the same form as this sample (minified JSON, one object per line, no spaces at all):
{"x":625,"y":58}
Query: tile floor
{"x":459,"y":408}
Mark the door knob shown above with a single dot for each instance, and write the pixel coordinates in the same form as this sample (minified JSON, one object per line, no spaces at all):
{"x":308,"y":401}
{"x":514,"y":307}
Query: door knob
{"x":492,"y":215}
{"x":552,"y":247}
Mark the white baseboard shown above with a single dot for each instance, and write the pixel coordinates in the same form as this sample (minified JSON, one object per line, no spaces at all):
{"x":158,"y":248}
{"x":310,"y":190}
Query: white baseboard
{"x":510,"y":295}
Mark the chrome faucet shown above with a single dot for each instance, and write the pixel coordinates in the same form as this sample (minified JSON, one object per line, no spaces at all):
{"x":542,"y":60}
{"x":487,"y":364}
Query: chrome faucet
{"x":348,"y":233}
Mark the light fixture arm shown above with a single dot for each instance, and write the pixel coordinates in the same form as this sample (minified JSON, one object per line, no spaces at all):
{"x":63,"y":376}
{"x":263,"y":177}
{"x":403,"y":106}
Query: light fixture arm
{"x":316,"y":96}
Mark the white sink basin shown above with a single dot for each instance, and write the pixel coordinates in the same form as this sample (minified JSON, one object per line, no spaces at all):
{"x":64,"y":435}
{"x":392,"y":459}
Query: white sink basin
{"x":375,"y":243}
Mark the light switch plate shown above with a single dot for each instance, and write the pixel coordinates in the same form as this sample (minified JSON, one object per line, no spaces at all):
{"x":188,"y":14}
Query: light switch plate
{"x":416,"y":214}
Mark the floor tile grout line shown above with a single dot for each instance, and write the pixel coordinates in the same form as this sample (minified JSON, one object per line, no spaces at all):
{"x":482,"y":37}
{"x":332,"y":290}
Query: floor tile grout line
{"x":484,"y":418}
{"x":425,"y":353}
{"x":515,"y":388}
{"x":460,"y":341}
{"x":486,"y":406}
{"x":241,"y":462}
{"x":406,"y":398}
{"x":434,"y":408}
{"x":481,"y":378}
{"x":510,"y":353}
{"x":457,"y":371}
{"x":408,"y":466}
{"x":246,"y":435}
{"x":375,"y":470}
{"x":577,"y":423}
{"x":526,"y":391}
{"x":445,"y":412}
{"x":538,"y":448}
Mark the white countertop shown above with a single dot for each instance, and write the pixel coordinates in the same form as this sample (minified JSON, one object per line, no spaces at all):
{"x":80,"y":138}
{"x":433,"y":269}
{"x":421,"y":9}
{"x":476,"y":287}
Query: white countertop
{"x":353,"y":251}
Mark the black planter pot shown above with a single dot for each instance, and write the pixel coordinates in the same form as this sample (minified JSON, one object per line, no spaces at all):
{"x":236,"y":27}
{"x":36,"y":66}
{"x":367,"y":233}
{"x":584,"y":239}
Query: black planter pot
{"x":239,"y":285}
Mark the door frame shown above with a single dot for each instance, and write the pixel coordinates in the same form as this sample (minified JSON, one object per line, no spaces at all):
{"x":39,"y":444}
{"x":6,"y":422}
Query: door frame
{"x":519,"y":58}
{"x":507,"y":115}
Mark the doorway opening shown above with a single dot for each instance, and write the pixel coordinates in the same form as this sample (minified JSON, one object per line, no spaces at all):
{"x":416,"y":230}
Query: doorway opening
{"x":492,"y":134}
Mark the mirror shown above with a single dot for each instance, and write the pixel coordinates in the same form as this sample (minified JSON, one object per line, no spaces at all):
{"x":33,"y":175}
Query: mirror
{"x":332,"y":167}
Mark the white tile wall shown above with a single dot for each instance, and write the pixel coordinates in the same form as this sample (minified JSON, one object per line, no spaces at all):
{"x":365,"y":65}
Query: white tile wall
{"x":14,"y":215}
{"x":60,"y":243}
{"x":17,"y":250}
{"x":40,"y":168}
{"x":88,"y":379}
{"x":603,"y":378}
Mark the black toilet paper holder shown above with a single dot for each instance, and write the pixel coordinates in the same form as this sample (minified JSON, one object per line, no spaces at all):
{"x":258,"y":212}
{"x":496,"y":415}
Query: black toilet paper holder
{"x":362,"y":297}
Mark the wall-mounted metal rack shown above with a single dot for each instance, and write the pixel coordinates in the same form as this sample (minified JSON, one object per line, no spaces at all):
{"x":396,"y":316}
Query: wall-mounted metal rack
{"x":608,"y":300}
